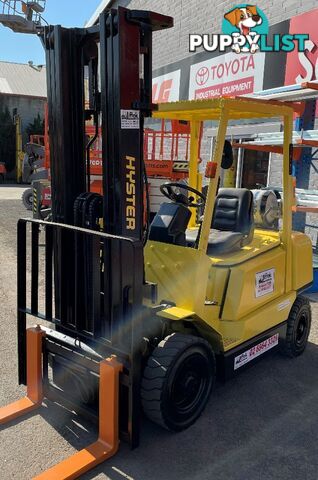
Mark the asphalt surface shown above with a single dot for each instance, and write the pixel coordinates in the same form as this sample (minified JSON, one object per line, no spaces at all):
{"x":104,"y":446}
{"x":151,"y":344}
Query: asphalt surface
{"x":261,"y":425}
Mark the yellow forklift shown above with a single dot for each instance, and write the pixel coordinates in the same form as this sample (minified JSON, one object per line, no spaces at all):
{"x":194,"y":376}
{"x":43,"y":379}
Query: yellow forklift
{"x":132,"y":316}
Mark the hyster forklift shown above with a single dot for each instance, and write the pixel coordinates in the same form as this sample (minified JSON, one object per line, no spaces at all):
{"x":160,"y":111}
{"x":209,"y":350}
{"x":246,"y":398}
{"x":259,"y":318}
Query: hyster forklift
{"x":138,"y":319}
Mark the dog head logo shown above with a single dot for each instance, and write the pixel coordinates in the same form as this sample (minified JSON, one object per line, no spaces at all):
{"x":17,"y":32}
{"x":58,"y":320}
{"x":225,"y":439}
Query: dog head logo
{"x":245,"y":29}
{"x":245,"y":20}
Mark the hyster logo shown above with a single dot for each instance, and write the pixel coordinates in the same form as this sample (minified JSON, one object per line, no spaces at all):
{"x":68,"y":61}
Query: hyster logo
{"x":245,"y":29}
{"x":130,"y":193}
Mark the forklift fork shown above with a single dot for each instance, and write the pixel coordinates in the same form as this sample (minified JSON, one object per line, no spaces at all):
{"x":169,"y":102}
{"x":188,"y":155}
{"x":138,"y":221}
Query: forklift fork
{"x":34,"y":395}
{"x":108,"y":439}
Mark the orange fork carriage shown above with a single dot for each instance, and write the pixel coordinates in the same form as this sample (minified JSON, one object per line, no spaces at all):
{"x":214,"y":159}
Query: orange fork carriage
{"x":108,"y":438}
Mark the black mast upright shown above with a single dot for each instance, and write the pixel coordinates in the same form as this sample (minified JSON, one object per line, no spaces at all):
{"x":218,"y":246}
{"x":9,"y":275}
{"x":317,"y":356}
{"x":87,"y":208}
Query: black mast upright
{"x":98,"y":276}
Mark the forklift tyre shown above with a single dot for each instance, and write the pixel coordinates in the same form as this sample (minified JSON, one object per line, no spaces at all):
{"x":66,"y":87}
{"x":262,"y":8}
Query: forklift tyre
{"x":298,"y":328}
{"x":27,"y":198}
{"x":177,"y":381}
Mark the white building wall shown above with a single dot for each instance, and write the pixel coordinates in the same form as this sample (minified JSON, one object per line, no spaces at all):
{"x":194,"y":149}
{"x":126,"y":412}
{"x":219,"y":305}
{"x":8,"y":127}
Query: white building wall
{"x":193,"y":16}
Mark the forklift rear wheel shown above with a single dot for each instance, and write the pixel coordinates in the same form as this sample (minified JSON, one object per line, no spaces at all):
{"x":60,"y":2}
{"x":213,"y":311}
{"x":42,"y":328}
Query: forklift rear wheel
{"x":298,"y":328}
{"x":177,"y":381}
{"x":27,"y":198}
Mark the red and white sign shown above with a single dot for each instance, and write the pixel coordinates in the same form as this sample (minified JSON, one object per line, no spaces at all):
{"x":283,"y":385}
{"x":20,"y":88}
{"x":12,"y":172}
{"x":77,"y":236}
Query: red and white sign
{"x":46,"y":197}
{"x":264,"y":282}
{"x":166,"y":88}
{"x":227,"y":75}
{"x":303,"y":66}
{"x":255,"y":351}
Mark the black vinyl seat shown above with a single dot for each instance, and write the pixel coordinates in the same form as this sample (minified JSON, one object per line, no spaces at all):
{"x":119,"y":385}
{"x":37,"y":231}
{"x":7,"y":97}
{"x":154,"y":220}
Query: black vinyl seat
{"x":233,"y":222}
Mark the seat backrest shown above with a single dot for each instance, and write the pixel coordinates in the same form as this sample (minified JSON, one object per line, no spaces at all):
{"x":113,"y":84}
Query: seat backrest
{"x":233,"y":211}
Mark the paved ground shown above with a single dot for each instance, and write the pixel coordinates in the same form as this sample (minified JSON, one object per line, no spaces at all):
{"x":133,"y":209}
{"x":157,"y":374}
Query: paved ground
{"x":262,"y":425}
{"x":12,"y":192}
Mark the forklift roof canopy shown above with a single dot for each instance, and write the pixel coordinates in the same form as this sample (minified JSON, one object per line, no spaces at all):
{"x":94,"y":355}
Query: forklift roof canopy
{"x":238,"y":108}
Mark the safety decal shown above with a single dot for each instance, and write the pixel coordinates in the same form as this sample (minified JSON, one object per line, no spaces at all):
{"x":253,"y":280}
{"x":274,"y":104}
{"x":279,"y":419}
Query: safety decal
{"x":256,"y":351}
{"x":283,"y":305}
{"x":130,"y":119}
{"x":264,"y":282}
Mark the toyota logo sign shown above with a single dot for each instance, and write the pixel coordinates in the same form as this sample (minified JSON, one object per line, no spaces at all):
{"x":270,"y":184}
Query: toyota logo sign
{"x":202,"y":76}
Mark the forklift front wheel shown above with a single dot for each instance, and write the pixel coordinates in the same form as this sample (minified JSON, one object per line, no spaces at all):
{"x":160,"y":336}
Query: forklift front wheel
{"x":298,"y":328}
{"x":177,"y":381}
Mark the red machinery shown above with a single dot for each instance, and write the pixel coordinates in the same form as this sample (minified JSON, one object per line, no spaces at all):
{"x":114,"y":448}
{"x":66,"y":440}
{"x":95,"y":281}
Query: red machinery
{"x":3,"y":171}
{"x":166,"y":154}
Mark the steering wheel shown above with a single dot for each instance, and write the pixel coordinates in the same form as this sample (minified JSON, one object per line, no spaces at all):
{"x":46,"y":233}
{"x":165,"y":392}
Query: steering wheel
{"x":169,"y":191}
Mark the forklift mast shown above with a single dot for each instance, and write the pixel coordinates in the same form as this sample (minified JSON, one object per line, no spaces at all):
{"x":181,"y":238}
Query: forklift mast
{"x":114,"y":59}
{"x":94,"y":263}
{"x":119,"y":76}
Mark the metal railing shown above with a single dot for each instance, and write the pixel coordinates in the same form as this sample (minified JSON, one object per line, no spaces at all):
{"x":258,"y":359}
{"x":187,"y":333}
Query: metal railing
{"x":30,"y":10}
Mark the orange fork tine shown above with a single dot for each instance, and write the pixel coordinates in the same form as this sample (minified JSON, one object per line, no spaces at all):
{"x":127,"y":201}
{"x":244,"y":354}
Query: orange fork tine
{"x":34,"y":395}
{"x":108,"y":441}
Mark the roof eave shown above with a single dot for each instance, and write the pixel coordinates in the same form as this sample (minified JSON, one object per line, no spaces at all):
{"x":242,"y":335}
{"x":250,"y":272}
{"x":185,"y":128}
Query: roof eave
{"x":102,"y":6}
{"x":24,"y":95}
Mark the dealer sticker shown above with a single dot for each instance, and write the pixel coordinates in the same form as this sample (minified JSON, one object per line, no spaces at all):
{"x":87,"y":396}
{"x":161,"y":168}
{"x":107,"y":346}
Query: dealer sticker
{"x":130,"y":119}
{"x":264,"y":282}
{"x":255,"y":351}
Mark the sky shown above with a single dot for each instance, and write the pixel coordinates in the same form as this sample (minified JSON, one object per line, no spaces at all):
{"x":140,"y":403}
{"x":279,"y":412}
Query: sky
{"x":21,"y":48}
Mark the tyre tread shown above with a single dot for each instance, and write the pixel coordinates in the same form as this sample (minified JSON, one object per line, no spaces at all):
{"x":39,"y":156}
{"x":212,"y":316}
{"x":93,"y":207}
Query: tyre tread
{"x":153,"y":382}
{"x":288,"y":348}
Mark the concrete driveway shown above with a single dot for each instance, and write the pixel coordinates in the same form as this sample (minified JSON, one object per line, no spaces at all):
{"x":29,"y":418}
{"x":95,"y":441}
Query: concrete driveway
{"x":12,"y":192}
{"x":261,"y":425}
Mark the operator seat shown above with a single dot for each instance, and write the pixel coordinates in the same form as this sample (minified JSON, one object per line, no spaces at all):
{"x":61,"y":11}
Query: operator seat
{"x":233,"y":221}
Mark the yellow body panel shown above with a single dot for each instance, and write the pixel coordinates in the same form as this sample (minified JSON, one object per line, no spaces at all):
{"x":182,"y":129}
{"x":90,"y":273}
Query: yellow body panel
{"x":263,"y":241}
{"x":176,"y":313}
{"x":180,"y":273}
{"x":302,"y":271}
{"x":244,"y":291}
{"x":262,"y":319}
{"x":220,"y":292}
{"x":234,"y":297}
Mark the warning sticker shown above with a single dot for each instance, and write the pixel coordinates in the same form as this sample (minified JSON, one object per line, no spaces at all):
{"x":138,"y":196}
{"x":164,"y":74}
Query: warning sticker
{"x":264,"y":282}
{"x":283,"y":305}
{"x":130,"y":119}
{"x":255,"y":351}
